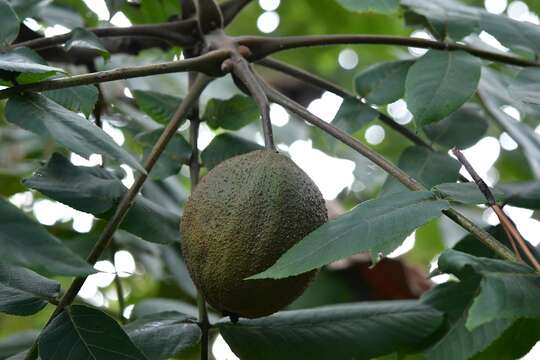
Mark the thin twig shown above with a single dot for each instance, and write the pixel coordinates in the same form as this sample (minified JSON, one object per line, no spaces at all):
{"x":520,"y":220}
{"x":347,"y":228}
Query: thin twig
{"x":338,"y":90}
{"x":231,"y":9}
{"x":209,"y":63}
{"x":390,"y":168}
{"x":209,"y":15}
{"x":129,"y":197}
{"x":506,"y":223}
{"x":172,"y":31}
{"x":243,"y":71}
{"x":118,"y":286}
{"x":261,"y":47}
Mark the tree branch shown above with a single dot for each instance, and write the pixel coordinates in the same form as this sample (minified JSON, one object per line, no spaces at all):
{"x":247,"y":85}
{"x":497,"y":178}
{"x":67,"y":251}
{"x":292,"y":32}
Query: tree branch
{"x":506,"y":223}
{"x":128,"y":199}
{"x":231,"y":9}
{"x":209,"y":63}
{"x":390,"y":168}
{"x":336,"y":89}
{"x":180,"y":32}
{"x":209,"y":15}
{"x":264,"y":46}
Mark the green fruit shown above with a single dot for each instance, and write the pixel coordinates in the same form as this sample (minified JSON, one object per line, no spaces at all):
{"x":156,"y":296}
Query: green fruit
{"x":240,"y":219}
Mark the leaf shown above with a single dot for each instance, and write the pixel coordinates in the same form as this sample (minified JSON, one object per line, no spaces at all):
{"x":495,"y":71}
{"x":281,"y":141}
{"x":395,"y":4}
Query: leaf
{"x":465,"y":193}
{"x":430,"y":168}
{"x":164,"y":335}
{"x":231,"y":114}
{"x":44,"y":117}
{"x":30,"y":245}
{"x":176,"y":153}
{"x":507,"y":290}
{"x":95,"y":190}
{"x":523,"y":194}
{"x":383,"y":83}
{"x":353,"y":115}
{"x":377,"y":225}
{"x":447,"y":18}
{"x":379,"y":6}
{"x":23,"y":292}
{"x":83,"y":38}
{"x":439,"y":83}
{"x":351,"y":331}
{"x":526,"y":88}
{"x":158,"y":106}
{"x":153,"y":306}
{"x":29,"y":63}
{"x":78,"y":98}
{"x":81,"y":332}
{"x":518,"y":35}
{"x":16,"y":343}
{"x":225,"y":146}
{"x":461,"y":129}
{"x":10,"y":24}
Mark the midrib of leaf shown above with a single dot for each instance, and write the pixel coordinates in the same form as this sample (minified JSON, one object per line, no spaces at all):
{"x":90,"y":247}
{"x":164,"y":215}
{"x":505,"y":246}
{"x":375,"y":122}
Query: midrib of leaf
{"x":68,"y":312}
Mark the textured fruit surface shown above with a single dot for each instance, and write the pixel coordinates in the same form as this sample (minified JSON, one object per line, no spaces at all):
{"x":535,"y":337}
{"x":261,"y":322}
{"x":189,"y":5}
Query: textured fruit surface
{"x":240,"y":219}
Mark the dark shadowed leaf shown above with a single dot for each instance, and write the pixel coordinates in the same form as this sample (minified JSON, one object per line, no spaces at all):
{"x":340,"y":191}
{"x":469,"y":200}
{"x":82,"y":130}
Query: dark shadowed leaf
{"x":178,"y":270}
{"x":461,"y":129}
{"x":518,"y":35}
{"x":377,"y":225}
{"x":231,"y":114}
{"x":88,"y":334}
{"x":44,"y":117}
{"x":225,"y":146}
{"x":507,"y":290}
{"x":429,"y":167}
{"x":26,"y":66}
{"x":16,"y":343}
{"x":164,"y":335}
{"x":83,"y":38}
{"x":95,"y":190}
{"x":439,"y":83}
{"x":353,"y":115}
{"x":383,"y":83}
{"x":380,"y":6}
{"x":465,"y":193}
{"x":10,"y":24}
{"x":524,"y":194}
{"x":152,"y":306}
{"x":526,"y":87}
{"x":176,"y":154}
{"x":78,"y":99}
{"x":158,"y":106}
{"x":351,"y":331}
{"x":30,"y":245}
{"x":23,"y":292}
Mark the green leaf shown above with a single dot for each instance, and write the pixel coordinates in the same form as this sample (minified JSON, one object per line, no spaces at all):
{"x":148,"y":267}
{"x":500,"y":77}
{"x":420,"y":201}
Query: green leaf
{"x":379,"y":6}
{"x":465,"y":193}
{"x":231,"y":114}
{"x":26,"y":66}
{"x":523,"y":194}
{"x":225,"y":146}
{"x":164,"y":335}
{"x":78,"y":98}
{"x":176,"y":153}
{"x":30,"y":245}
{"x":16,"y":343}
{"x":518,"y":35}
{"x":44,"y":117}
{"x":95,"y":190}
{"x":149,"y":307}
{"x":10,"y":24}
{"x":85,"y":39}
{"x":461,"y":129}
{"x":383,"y":83}
{"x":439,"y":83}
{"x":351,"y":331}
{"x":430,"y":168}
{"x":508,"y":291}
{"x":526,"y":87}
{"x":158,"y":106}
{"x":377,"y":225}
{"x":81,"y":332}
{"x":23,"y":292}
{"x":353,"y":115}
